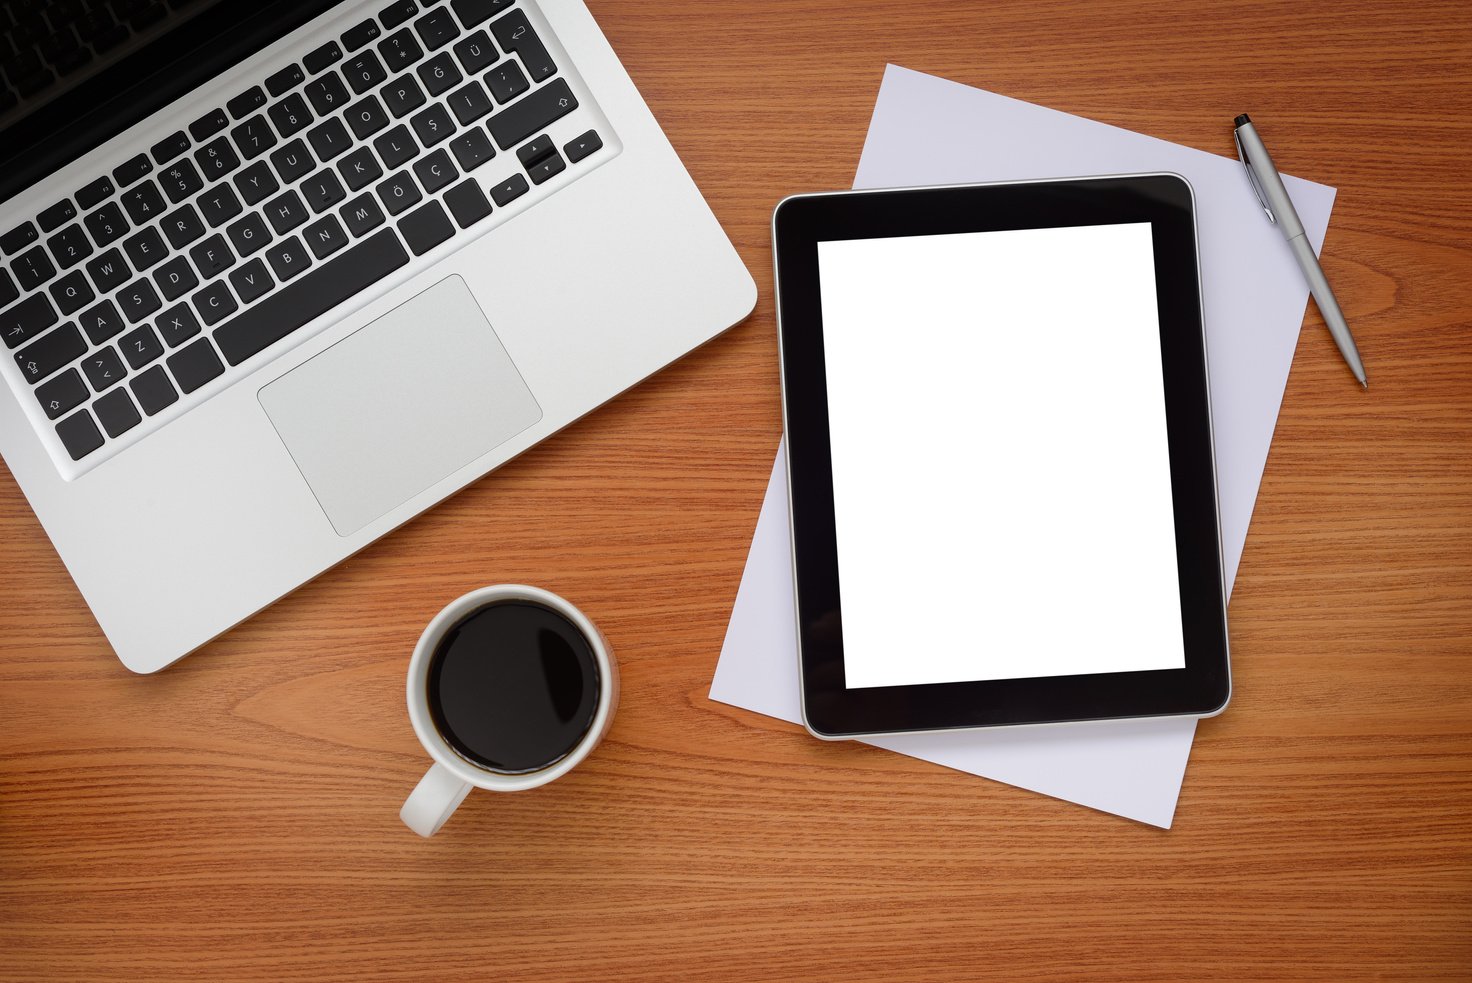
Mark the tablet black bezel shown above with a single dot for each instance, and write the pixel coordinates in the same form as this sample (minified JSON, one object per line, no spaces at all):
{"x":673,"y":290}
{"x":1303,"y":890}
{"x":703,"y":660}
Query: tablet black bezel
{"x":832,"y":710}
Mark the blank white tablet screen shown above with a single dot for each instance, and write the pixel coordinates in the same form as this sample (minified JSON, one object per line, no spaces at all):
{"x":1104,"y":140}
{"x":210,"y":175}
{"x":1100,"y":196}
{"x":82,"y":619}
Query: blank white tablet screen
{"x":1001,"y":475}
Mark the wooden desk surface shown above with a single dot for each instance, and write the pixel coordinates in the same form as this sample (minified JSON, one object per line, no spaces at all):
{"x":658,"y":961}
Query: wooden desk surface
{"x":237,"y":816}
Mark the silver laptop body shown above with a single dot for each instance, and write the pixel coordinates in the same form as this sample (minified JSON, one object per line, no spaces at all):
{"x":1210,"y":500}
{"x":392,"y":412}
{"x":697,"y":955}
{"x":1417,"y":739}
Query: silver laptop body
{"x":487,"y":326}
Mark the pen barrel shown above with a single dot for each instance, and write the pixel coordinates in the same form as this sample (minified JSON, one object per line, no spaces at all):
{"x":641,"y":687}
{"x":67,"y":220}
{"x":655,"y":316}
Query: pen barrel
{"x":1318,"y":285}
{"x":1266,"y":173}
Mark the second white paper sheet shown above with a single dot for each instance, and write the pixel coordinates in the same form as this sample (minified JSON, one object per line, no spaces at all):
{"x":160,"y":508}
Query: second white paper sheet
{"x":927,"y":130}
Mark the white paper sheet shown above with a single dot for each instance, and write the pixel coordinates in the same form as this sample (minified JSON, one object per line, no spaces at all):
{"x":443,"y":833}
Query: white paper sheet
{"x":927,"y":130}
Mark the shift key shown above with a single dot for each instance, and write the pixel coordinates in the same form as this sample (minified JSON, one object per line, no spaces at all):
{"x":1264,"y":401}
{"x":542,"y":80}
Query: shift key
{"x":533,"y":114}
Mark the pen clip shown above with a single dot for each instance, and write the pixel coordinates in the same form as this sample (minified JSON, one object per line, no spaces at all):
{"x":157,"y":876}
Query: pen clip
{"x":1252,"y":179}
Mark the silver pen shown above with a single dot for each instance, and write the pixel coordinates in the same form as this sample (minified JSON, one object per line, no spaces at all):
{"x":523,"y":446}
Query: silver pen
{"x":1273,"y":197}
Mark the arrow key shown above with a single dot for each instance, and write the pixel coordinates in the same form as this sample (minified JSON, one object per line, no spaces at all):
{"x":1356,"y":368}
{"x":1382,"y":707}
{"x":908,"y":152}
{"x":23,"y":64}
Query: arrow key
{"x":580,"y":147}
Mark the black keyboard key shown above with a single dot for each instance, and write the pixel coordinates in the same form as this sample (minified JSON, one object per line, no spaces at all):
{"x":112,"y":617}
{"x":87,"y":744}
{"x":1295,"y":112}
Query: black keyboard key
{"x":219,"y":205}
{"x":514,"y":33}
{"x":403,"y":95}
{"x":101,"y":322}
{"x":396,"y":147}
{"x":66,"y":392}
{"x":325,"y":236}
{"x":435,"y":171}
{"x":251,"y":281}
{"x":79,"y":435}
{"x":533,"y":114}
{"x":359,"y":169}
{"x":133,"y":170}
{"x":580,"y":147}
{"x":144,"y":203}
{"x":467,"y":203}
{"x":216,"y":159}
{"x":57,"y":215}
{"x":426,"y":227}
{"x":547,"y":168}
{"x":50,"y":352}
{"x":209,"y":124}
{"x":212,"y":257}
{"x":536,"y":151}
{"x":397,"y":13}
{"x":322,"y":57}
{"x":106,"y":224}
{"x":292,"y":161}
{"x":288,"y":258}
{"x":196,"y":365}
{"x":215,"y":302}
{"x":32,"y":268}
{"x":329,"y":139}
{"x":361,"y":215}
{"x":363,"y":72}
{"x":472,"y":12}
{"x":9,"y":292}
{"x":104,"y":369}
{"x":476,"y":52}
{"x":175,"y":278}
{"x":72,"y":292}
{"x":249,"y":234}
{"x":506,"y":81}
{"x":254,"y":137}
{"x":27,"y":319}
{"x":327,"y":93}
{"x":399,"y":192}
{"x":439,"y":73}
{"x":154,"y":391}
{"x":472,"y":149}
{"x":177,"y":325}
{"x":282,"y":82}
{"x":433,"y":125}
{"x":169,"y":147}
{"x":247,"y":102}
{"x":469,"y":102}
{"x":291,"y":114}
{"x":18,"y":238}
{"x":182,"y":226}
{"x":509,"y":190}
{"x":400,"y":50}
{"x":256,"y":182}
{"x":286,"y":211}
{"x":95,"y":193}
{"x":116,"y":412}
{"x":70,"y":246}
{"x":436,"y":29}
{"x":322,"y":190}
{"x":312,"y":295}
{"x":140,"y":346}
{"x":180,"y":180}
{"x":360,"y":35}
{"x":145,"y":249}
{"x":138,"y":300}
{"x":366,"y":116}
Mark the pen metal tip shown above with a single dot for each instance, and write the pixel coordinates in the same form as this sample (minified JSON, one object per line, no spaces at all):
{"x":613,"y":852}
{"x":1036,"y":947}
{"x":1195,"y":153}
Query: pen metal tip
{"x":1365,"y":383}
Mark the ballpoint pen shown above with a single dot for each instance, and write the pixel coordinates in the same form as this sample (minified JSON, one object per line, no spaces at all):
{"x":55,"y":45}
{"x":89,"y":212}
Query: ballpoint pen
{"x":1273,"y":197}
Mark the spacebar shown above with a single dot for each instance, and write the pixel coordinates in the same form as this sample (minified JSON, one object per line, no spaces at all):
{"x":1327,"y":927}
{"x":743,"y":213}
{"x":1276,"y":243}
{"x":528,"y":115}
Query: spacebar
{"x":310,"y":297}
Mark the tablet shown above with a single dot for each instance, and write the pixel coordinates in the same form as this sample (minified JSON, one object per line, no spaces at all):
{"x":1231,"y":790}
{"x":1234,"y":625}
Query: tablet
{"x":1000,"y":455}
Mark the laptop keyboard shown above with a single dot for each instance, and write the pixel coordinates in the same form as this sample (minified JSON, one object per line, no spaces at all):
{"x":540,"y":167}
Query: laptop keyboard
{"x":261,"y":215}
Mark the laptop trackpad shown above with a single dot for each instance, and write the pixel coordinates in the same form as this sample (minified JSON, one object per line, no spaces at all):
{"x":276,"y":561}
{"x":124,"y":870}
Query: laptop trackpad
{"x":399,"y":405}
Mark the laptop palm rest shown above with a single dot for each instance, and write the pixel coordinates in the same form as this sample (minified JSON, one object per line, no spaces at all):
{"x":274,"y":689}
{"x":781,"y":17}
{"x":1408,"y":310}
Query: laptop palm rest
{"x":399,"y":405}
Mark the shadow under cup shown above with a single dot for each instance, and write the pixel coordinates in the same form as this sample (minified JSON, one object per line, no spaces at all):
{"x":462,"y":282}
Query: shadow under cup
{"x":513,"y":687}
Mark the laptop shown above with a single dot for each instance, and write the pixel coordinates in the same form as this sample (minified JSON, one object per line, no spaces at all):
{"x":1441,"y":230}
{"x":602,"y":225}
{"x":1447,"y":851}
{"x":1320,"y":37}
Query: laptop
{"x":277,"y":277}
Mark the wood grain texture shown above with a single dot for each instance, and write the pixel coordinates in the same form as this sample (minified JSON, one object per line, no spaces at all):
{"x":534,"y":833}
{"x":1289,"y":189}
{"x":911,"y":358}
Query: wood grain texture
{"x":236,"y":817}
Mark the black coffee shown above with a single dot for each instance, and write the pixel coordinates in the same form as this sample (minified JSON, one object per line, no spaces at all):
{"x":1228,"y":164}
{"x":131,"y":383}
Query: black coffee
{"x":513,"y":686}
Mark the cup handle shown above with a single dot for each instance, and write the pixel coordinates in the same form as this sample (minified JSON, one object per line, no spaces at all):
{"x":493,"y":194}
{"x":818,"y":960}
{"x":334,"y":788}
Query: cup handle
{"x":436,"y":797}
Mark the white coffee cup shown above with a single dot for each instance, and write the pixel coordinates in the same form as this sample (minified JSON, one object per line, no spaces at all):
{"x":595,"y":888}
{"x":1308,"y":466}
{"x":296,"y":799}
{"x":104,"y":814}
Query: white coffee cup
{"x":452,"y":776}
